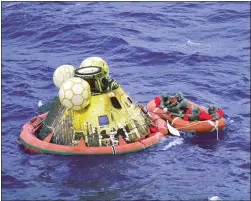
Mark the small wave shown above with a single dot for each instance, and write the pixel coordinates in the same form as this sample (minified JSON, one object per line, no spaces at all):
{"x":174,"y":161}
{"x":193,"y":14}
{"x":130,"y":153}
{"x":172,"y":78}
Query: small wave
{"x":5,"y":5}
{"x":48,"y":35}
{"x":196,"y":58}
{"x":230,"y":58}
{"x":246,"y":48}
{"x":9,"y":181}
{"x":245,"y":166}
{"x":92,"y":3}
{"x":75,"y":26}
{"x":177,"y":141}
{"x":115,"y":41}
{"x":143,"y":16}
{"x":197,"y":44}
{"x":149,"y":57}
{"x":151,"y":39}
{"x":130,"y":31}
{"x":238,"y":94}
{"x":21,"y":34}
{"x":226,"y":15}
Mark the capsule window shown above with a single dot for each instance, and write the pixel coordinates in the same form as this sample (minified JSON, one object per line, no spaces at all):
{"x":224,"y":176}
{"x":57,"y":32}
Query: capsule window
{"x":115,"y":103}
{"x":103,"y":120}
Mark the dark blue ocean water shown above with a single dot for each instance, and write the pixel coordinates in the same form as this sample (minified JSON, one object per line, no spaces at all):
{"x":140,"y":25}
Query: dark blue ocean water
{"x":201,"y":49}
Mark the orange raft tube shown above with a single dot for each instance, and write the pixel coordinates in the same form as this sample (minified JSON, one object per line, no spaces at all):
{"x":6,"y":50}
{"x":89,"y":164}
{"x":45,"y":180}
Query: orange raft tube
{"x":31,"y":142}
{"x":180,"y":124}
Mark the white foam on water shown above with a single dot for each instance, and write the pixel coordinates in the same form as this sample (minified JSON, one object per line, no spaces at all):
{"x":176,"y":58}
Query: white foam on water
{"x":39,"y":103}
{"x":197,"y":44}
{"x":230,"y":120}
{"x":175,"y":142}
{"x":11,"y":4}
{"x":214,"y":198}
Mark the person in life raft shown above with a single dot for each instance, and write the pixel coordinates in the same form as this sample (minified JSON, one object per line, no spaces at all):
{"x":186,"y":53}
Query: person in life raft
{"x":179,"y":106}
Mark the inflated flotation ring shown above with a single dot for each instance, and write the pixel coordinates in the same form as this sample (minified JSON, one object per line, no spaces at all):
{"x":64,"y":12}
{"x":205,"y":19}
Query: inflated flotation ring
{"x":180,"y":124}
{"x":29,"y":139}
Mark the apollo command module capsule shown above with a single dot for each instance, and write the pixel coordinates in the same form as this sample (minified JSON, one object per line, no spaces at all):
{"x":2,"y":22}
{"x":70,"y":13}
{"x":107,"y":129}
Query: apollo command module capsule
{"x":92,"y":114}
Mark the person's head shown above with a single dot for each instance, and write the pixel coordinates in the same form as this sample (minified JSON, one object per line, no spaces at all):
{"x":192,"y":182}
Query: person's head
{"x":195,"y":110}
{"x":212,"y":109}
{"x":180,"y":96}
{"x":165,"y":97}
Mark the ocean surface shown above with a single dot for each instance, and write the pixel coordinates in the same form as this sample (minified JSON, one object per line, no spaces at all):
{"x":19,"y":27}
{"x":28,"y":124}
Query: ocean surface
{"x":201,"y":49}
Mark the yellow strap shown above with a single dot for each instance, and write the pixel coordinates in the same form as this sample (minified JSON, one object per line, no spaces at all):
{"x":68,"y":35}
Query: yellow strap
{"x":99,"y":86}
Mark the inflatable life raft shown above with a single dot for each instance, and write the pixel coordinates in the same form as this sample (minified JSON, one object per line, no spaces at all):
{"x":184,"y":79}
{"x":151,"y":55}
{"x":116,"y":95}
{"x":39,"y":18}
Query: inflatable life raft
{"x":32,"y":143}
{"x":191,"y":126}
